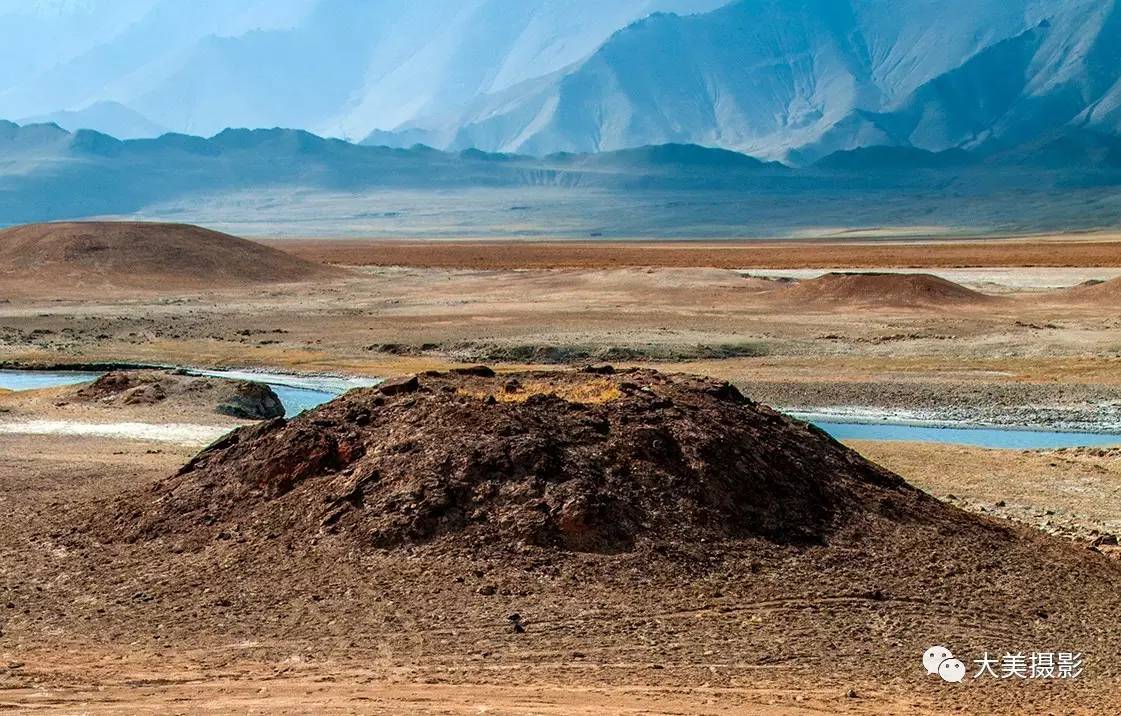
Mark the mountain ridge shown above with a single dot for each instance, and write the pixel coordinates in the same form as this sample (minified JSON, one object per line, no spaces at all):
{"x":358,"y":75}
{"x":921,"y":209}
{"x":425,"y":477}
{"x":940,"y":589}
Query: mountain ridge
{"x":793,"y":81}
{"x":329,"y":66}
{"x":798,"y":81}
{"x":277,"y":175}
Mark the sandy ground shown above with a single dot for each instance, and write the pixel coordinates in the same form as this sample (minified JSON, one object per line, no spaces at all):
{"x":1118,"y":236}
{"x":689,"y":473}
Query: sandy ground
{"x":459,"y":305}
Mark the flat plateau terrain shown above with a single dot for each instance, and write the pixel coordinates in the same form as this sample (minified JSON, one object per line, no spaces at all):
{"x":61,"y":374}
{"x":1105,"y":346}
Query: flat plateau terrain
{"x":88,"y":628}
{"x":1096,"y":249}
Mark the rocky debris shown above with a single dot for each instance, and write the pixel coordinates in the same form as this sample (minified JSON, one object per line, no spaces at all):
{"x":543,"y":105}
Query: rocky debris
{"x":576,"y":461}
{"x":1106,"y":544}
{"x":395,"y":386}
{"x":1065,"y":525}
{"x":1067,"y":406}
{"x":235,"y":398}
{"x":575,"y":354}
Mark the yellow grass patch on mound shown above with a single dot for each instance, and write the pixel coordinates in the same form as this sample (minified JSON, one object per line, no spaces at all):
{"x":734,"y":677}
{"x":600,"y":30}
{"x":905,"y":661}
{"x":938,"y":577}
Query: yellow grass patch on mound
{"x":593,"y":392}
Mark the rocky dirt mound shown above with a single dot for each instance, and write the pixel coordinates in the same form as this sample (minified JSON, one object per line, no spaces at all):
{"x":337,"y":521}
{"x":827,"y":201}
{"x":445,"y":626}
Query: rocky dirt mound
{"x":889,"y":290}
{"x":139,"y":255}
{"x":176,"y":389}
{"x":589,"y":461}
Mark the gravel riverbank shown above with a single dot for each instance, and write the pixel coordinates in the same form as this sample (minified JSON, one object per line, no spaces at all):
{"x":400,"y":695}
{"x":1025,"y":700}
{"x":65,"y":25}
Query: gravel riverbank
{"x":1073,"y":407}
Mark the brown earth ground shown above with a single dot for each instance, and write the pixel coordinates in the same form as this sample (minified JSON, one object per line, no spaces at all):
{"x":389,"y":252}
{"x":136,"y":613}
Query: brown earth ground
{"x":433,"y":306}
{"x":1090,"y":249}
{"x":134,"y":630}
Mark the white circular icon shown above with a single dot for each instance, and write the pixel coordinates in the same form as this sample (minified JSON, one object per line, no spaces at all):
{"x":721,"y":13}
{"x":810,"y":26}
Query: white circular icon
{"x":934,"y":656}
{"x":952,"y":670}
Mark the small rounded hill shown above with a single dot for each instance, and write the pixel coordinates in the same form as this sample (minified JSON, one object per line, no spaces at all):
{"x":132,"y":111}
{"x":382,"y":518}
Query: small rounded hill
{"x":887,"y":290}
{"x":1096,"y":292}
{"x":63,"y":257}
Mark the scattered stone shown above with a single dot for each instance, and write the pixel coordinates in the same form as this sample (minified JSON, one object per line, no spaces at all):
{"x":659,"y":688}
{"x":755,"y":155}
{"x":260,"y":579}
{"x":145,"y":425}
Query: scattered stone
{"x":481,"y":371}
{"x":600,"y":369}
{"x":397,"y":386}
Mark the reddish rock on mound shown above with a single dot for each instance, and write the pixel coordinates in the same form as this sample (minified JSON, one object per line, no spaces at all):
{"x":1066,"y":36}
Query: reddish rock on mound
{"x":594,"y":461}
{"x":892,"y":290}
{"x":149,"y":256}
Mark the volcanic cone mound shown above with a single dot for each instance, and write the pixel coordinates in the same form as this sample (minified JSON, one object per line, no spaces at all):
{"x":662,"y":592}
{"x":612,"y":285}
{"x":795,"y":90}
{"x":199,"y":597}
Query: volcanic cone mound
{"x":889,"y":290}
{"x":139,"y":255}
{"x":582,"y":461}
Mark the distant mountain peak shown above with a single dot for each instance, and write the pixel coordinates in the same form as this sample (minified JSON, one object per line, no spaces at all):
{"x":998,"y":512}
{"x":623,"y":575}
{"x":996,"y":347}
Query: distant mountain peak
{"x":787,"y":80}
{"x":104,"y":116}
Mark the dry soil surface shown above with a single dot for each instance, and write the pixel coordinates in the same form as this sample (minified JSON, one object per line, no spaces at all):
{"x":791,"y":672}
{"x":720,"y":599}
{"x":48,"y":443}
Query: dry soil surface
{"x":299,"y":622}
{"x":1058,"y":250}
{"x":157,"y":625}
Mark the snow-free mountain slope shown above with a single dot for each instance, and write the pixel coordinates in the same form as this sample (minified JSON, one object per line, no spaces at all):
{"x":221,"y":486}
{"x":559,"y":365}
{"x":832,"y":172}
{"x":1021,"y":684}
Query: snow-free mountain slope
{"x":338,"y":67}
{"x":793,"y":80}
{"x":121,"y":62}
{"x":799,"y":80}
{"x":109,"y":117}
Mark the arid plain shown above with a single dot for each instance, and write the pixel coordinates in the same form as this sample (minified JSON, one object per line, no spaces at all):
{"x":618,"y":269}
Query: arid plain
{"x":1016,"y":332}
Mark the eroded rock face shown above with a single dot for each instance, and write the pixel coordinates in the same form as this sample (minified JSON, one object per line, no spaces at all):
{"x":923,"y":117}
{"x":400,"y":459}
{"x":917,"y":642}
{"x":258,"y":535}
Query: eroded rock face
{"x":581,"y":461}
{"x":235,"y":398}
